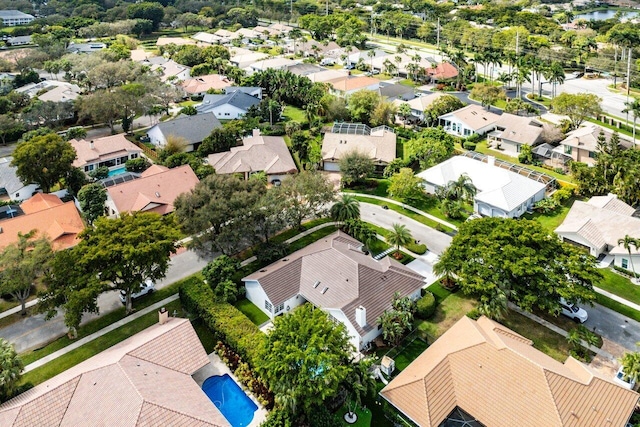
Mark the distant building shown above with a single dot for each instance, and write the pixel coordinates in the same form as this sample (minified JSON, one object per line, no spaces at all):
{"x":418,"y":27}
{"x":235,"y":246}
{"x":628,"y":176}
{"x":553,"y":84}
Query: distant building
{"x":11,"y":18}
{"x":581,"y":145}
{"x":193,"y":129}
{"x":85,"y":47}
{"x":442,"y":72}
{"x":11,"y":186}
{"x":19,"y":41}
{"x":231,"y":106}
{"x":198,"y":86}
{"x":110,"y":151}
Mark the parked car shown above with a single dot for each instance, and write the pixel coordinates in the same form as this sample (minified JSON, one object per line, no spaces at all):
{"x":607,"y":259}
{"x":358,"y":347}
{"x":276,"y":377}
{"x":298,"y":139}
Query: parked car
{"x":629,"y":383}
{"x":574,"y":312}
{"x":148,"y":287}
{"x":327,"y":61}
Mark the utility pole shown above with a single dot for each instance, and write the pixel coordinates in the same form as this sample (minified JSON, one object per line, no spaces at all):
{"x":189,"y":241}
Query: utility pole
{"x":327,"y":7}
{"x":438,"y":36}
{"x":628,"y":80}
{"x":518,"y":89}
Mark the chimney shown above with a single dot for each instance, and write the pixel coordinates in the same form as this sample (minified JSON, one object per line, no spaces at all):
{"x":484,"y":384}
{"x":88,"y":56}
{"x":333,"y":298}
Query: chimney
{"x":91,"y":144}
{"x":361,"y":316}
{"x":256,"y":133}
{"x":163,"y":316}
{"x":491,"y":161}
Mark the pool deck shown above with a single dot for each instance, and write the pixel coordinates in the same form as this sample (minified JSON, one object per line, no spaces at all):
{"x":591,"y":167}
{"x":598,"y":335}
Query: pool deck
{"x":217,"y":367}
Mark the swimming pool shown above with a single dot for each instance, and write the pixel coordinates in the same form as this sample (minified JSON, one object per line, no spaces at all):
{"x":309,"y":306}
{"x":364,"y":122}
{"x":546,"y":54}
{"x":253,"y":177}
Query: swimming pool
{"x":229,"y":398}
{"x":117,"y":171}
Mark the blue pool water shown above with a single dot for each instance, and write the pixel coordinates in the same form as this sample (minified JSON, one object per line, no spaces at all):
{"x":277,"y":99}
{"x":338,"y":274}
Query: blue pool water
{"x":117,"y":171}
{"x":229,"y":398}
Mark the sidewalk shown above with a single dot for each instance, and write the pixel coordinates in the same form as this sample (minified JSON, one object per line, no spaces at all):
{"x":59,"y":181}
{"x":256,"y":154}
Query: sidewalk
{"x":17,"y":309}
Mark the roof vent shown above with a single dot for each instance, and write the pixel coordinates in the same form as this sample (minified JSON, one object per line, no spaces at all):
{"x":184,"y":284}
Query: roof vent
{"x":324,"y":291}
{"x":285,"y":260}
{"x":263,"y":270}
{"x":315,"y":285}
{"x":157,"y":194}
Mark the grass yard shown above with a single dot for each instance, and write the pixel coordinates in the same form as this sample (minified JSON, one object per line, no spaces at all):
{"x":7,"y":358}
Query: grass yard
{"x":94,"y":347}
{"x":204,"y":333}
{"x":619,"y":285}
{"x":451,"y":308}
{"x":410,"y":353}
{"x":620,"y":308}
{"x":374,"y":404}
{"x":295,"y":114}
{"x":544,"y":339}
{"x":364,"y":417}
{"x":376,"y":187}
{"x":552,"y":221}
{"x":251,"y":311}
{"x":188,"y":103}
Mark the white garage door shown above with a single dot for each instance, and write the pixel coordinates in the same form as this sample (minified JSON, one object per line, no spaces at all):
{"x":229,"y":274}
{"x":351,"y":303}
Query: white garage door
{"x":332,"y":166}
{"x":484,"y":210}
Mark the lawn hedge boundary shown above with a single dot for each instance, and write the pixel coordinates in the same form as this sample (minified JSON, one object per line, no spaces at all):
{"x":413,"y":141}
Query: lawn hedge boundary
{"x":227,"y":323}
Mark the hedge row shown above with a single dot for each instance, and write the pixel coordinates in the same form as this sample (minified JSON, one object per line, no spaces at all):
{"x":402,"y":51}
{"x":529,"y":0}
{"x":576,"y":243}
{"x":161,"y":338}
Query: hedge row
{"x":227,"y":323}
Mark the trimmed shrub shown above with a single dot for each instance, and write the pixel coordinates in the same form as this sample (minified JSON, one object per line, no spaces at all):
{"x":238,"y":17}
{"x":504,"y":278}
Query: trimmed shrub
{"x":563,"y":194}
{"x":469,"y":145}
{"x":419,"y":249}
{"x":426,"y":306}
{"x":227,"y":323}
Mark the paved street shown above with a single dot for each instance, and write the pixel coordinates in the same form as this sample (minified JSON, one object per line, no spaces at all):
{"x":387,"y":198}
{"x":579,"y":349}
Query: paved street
{"x":34,"y":331}
{"x":614,"y":326}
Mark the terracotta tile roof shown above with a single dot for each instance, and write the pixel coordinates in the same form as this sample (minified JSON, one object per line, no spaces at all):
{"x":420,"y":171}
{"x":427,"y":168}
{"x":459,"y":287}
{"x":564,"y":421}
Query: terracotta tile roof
{"x":155,"y":191}
{"x":497,"y":376}
{"x":61,"y":223}
{"x":117,"y":388}
{"x":380,"y":145}
{"x":442,"y":71}
{"x":257,"y":153}
{"x":349,"y":83}
{"x":474,"y":116}
{"x":204,"y":83}
{"x":354,"y":278}
{"x":104,"y":148}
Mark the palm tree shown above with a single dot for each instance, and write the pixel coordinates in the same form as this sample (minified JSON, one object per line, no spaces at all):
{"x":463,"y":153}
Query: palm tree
{"x":462,"y":188}
{"x":626,"y":242}
{"x":494,"y":306}
{"x":574,"y":339}
{"x":633,"y":107}
{"x":631,"y":366}
{"x":371,"y":54}
{"x":555,"y":75}
{"x":399,"y":236}
{"x":360,"y":383}
{"x":346,"y":208}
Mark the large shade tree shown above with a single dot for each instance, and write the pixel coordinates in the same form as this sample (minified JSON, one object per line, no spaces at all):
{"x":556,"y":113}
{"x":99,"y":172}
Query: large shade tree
{"x":10,"y":370}
{"x":577,"y":106}
{"x":305,"y":196}
{"x":129,"y":250}
{"x":306,"y":358}
{"x":520,"y":259}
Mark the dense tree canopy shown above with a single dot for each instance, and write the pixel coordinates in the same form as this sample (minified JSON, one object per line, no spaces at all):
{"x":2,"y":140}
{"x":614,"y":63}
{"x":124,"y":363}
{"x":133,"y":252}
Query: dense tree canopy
{"x":578,"y":106}
{"x":520,"y":260}
{"x":432,"y":146}
{"x":10,"y":370}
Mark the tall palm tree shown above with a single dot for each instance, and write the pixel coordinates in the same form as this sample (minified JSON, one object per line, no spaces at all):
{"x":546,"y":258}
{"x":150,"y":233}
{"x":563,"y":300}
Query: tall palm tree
{"x":346,"y":208}
{"x":494,"y":306}
{"x":631,"y":365}
{"x":360,"y":384}
{"x":555,"y":75}
{"x":399,"y":236}
{"x":462,"y":188}
{"x":371,"y":54}
{"x":626,"y":242}
{"x":633,"y":107}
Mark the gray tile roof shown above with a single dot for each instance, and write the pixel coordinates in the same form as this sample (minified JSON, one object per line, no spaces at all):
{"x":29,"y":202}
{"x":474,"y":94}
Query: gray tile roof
{"x":351,"y":278}
{"x":8,"y":178}
{"x":192,"y":128}
{"x":237,"y":99}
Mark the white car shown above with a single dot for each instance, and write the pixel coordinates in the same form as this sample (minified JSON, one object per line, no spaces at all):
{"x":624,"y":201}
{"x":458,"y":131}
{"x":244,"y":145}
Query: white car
{"x":147,"y":288}
{"x":629,"y":383}
{"x":573,"y":311}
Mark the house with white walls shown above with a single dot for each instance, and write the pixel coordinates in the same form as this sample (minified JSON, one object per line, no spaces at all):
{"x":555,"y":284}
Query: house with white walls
{"x":469,"y":120}
{"x":11,"y":187}
{"x":355,"y":290}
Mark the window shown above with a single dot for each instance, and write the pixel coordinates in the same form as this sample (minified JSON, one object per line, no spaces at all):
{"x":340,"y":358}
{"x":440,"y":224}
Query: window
{"x":518,"y":148}
{"x":268,"y":306}
{"x":467,"y":132}
{"x":592,"y":155}
{"x":625,"y":263}
{"x":279,"y":308}
{"x":568,"y":149}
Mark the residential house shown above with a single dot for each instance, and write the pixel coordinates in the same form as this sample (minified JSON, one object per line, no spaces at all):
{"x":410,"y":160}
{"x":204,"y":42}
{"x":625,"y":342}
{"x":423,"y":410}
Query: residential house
{"x":81,"y":48}
{"x":258,"y":153}
{"x":11,"y":187}
{"x":60,"y":222}
{"x":40,"y":88}
{"x":178,"y":41}
{"x":444,"y":71}
{"x":19,"y":41}
{"x":420,"y":104}
{"x":334,"y":275}
{"x":248,"y":33}
{"x":596,"y":226}
{"x":469,"y":120}
{"x":501,"y":192}
{"x":155,"y":190}
{"x":61,"y":93}
{"x":402,"y":67}
{"x":168,"y":69}
{"x":365,"y":56}
{"x":222,"y":33}
{"x":110,"y":151}
{"x":199,"y":86}
{"x":244,"y":60}
{"x":328,"y":75}
{"x":271,"y":63}
{"x":393,"y":92}
{"x":231,"y":106}
{"x":581,"y":145}
{"x":282,"y":28}
{"x":378,"y":143}
{"x":192,"y":129}
{"x":255,"y":91}
{"x":11,"y":18}
{"x":311,"y":47}
{"x":142,"y":381}
{"x":512,"y":132}
{"x":266,"y":32}
{"x":343,"y":86}
{"x":480,"y":373}
{"x":209,"y":38}
{"x":304,"y":69}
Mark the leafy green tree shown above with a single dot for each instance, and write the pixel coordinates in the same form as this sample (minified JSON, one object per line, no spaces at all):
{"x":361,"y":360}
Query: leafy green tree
{"x":577,"y":106}
{"x":494,"y":306}
{"x":21,"y":264}
{"x":432,"y":146}
{"x":220,"y":139}
{"x":355,"y":167}
{"x":627,"y":242}
{"x":487,"y":94}
{"x":532,"y":267}
{"x":398,"y":320}
{"x":10,"y":370}
{"x":526,"y":154}
{"x":306,"y":358}
{"x":360,"y":230}
{"x":71,"y":287}
{"x":399,"y":235}
{"x":77,"y":132}
{"x":631,"y":365}
{"x":219,"y":276}
{"x":75,"y":180}
{"x":129,"y":250}
{"x":189,"y":110}
{"x":10,"y":128}
{"x":99,"y":173}
{"x":92,"y":198}
{"x":360,"y":384}
{"x":461,"y":189}
{"x":632,"y":107}
{"x":44,"y":160}
{"x":152,"y":11}
{"x":346,"y":208}
{"x":138,"y":165}
{"x":405,"y":184}
{"x":443,"y":105}
{"x":404,"y":111}
{"x":305,"y":196}
{"x":362,"y":104}
{"x":383,"y":114}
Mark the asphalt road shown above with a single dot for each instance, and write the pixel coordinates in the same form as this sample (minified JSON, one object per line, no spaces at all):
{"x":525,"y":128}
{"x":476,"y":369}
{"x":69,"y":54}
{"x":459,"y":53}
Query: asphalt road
{"x":613,"y":326}
{"x":34,"y":331}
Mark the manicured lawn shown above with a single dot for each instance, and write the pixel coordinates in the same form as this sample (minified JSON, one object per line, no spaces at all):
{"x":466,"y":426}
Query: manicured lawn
{"x":409,"y":82}
{"x":204,"y":333}
{"x":377,"y":187}
{"x":410,"y":353}
{"x":251,"y":311}
{"x":294,"y":114}
{"x":552,"y":221}
{"x":619,"y":285}
{"x":544,"y":339}
{"x":94,"y":347}
{"x":364,"y":417}
{"x":374,"y":404}
{"x":188,"y":103}
{"x":450,"y":309}
{"x":620,"y":308}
